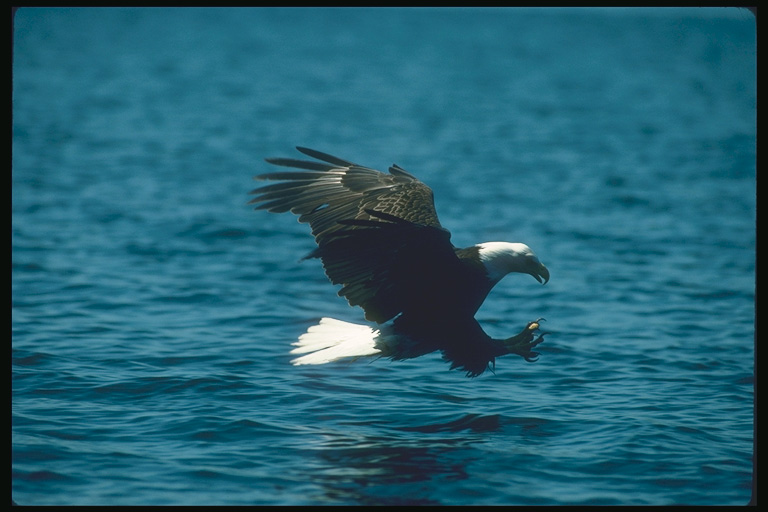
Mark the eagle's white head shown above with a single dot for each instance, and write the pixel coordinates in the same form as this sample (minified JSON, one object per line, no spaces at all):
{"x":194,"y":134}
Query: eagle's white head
{"x":501,"y":258}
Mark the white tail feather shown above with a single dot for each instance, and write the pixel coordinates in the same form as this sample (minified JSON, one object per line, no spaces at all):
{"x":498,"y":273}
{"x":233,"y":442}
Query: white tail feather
{"x":332,"y":339}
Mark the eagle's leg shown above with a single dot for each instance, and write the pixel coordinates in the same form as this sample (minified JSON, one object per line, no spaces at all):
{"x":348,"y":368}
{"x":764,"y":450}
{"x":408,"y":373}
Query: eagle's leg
{"x":523,"y":343}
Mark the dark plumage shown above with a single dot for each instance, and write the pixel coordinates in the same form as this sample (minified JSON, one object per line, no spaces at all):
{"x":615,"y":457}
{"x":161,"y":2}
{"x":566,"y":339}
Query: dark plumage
{"x":379,"y":237}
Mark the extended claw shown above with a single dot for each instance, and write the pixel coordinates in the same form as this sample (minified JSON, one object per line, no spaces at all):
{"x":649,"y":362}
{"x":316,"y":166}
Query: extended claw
{"x":529,"y":338}
{"x":532,"y":356}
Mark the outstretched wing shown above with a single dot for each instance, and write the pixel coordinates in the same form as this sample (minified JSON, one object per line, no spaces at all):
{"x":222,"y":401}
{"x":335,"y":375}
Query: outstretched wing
{"x":378,"y":234}
{"x":334,"y":189}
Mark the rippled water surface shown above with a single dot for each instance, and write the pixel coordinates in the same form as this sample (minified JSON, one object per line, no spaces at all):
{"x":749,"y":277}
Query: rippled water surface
{"x":153,"y":310}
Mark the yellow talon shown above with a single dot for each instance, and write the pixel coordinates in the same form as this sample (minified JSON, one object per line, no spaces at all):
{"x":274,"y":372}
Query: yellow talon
{"x":533,"y":326}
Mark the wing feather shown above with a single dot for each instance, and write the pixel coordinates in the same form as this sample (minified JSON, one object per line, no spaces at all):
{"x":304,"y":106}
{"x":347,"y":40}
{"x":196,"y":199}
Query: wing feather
{"x":377,"y":233}
{"x":325,"y":157}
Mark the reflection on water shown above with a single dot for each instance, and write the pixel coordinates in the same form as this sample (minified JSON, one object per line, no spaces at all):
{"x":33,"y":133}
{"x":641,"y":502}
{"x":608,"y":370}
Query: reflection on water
{"x":396,"y":469}
{"x":356,"y":470}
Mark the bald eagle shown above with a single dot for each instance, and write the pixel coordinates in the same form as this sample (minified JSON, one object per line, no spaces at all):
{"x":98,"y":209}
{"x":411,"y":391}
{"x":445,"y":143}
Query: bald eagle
{"x":378,"y":236}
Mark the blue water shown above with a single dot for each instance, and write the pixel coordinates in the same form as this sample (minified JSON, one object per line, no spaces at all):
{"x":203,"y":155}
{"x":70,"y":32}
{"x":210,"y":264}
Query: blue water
{"x":153,"y":310}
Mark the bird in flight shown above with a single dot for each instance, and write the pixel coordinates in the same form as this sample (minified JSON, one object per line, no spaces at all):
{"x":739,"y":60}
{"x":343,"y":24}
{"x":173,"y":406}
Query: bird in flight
{"x":378,"y":236}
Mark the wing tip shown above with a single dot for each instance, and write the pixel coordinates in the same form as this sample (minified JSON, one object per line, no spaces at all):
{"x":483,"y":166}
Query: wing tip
{"x":325,"y":157}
